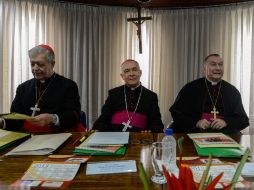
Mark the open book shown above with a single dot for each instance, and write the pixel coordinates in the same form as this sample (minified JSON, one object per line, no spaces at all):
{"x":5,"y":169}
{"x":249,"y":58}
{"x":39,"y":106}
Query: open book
{"x":16,"y":116}
{"x":216,"y":144}
{"x":213,"y":140}
{"x":40,"y":144}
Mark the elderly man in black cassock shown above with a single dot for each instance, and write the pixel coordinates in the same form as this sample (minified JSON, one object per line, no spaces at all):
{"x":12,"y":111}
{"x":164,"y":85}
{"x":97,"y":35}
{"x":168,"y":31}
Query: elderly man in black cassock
{"x":130,"y":107}
{"x":209,"y":104}
{"x":51,"y":99}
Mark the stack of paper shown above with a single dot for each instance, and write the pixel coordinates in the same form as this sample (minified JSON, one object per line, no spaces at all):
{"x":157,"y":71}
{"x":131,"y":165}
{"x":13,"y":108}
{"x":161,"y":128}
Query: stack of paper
{"x":9,"y":137}
{"x":104,"y":143}
{"x":216,"y":144}
{"x":40,"y":144}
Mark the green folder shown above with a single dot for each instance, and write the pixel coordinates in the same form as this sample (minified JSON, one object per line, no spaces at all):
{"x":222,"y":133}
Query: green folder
{"x":9,"y":137}
{"x":220,"y":151}
{"x":119,"y":152}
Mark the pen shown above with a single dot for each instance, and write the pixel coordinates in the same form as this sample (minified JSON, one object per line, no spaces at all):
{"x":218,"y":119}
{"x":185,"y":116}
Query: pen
{"x":75,"y":141}
{"x":82,"y":139}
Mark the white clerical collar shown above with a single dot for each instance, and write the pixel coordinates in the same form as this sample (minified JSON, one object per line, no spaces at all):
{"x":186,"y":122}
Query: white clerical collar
{"x":133,"y":88}
{"x":47,"y":79}
{"x":212,"y":82}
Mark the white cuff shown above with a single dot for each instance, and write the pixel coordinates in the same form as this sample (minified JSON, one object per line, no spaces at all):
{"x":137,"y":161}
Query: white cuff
{"x":4,"y":124}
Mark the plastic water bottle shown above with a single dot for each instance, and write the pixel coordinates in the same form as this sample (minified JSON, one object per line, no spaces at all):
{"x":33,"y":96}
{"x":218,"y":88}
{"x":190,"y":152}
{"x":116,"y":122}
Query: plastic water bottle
{"x":169,"y":151}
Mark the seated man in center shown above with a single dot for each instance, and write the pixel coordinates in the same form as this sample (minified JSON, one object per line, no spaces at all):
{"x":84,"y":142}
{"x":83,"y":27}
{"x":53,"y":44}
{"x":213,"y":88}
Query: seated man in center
{"x":130,"y":107}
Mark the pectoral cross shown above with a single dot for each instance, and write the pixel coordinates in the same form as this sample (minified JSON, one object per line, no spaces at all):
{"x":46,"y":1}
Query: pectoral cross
{"x":126,"y":125}
{"x":214,"y":112}
{"x":138,"y":21}
{"x":35,"y":109}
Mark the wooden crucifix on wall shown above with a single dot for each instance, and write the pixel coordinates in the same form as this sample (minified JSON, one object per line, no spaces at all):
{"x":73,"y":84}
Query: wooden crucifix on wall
{"x":138,"y":21}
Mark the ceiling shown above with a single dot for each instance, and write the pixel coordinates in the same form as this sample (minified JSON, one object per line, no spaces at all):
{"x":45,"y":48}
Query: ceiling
{"x":156,"y":3}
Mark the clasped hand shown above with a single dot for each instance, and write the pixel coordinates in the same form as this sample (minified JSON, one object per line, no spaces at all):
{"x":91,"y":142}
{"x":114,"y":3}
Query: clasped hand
{"x":41,"y":120}
{"x":215,"y":124}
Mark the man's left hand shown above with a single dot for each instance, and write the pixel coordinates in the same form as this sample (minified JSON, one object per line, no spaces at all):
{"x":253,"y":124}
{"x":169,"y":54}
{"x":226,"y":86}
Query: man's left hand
{"x":218,"y":124}
{"x":42,"y":120}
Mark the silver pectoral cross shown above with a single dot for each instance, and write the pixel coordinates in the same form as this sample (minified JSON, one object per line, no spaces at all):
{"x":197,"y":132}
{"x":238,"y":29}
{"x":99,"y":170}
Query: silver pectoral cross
{"x":126,"y":125}
{"x":214,"y":112}
{"x":35,"y":109}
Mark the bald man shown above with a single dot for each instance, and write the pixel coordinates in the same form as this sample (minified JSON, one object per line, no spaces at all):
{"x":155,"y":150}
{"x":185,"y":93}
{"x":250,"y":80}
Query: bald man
{"x":130,"y":107}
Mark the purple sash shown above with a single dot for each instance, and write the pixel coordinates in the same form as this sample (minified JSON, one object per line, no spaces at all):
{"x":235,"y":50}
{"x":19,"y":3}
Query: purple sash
{"x":209,"y":117}
{"x":138,"y":120}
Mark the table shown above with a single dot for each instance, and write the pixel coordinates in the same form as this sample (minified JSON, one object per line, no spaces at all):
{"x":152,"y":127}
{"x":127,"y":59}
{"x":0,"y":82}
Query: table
{"x":139,"y":149}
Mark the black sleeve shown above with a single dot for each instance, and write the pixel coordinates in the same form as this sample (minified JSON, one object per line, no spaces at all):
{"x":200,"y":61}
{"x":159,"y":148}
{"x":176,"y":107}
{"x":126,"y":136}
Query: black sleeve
{"x":16,"y":105}
{"x":237,"y":119}
{"x":104,"y":120}
{"x":70,"y":113}
{"x":184,"y":120}
{"x":154,"y":118}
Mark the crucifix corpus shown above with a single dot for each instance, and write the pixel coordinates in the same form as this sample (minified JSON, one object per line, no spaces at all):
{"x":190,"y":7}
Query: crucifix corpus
{"x":214,"y":112}
{"x":138,"y":21}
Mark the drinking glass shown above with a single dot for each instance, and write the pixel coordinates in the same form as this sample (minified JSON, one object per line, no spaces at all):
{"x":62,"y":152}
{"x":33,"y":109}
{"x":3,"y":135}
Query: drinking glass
{"x":157,"y":163}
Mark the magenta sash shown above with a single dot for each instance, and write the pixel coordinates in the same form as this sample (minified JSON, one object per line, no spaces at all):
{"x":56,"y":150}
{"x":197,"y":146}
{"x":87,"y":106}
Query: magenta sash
{"x":138,"y":120}
{"x":209,"y":117}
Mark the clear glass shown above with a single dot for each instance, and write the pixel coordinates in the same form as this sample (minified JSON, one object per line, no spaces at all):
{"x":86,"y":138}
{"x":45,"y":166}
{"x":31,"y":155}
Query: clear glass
{"x":157,"y":162}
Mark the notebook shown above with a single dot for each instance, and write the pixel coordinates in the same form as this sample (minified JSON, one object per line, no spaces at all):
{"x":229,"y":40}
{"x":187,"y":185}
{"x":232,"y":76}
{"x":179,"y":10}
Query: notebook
{"x":40,"y":144}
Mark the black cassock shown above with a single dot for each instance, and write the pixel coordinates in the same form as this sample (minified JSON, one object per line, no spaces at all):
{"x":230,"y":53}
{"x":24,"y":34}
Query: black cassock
{"x":61,"y":97}
{"x":194,"y":100}
{"x":146,"y":117}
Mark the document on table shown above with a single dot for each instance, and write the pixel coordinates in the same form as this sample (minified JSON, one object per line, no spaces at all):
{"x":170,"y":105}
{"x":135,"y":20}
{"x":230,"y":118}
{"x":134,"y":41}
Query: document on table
{"x":107,"y":138}
{"x":40,"y":144}
{"x":248,"y":169}
{"x":15,"y":116}
{"x":111,"y":167}
{"x":55,"y":171}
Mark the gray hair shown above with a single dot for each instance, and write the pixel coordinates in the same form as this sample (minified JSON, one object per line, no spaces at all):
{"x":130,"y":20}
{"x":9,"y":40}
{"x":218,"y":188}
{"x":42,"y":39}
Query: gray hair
{"x":37,"y":50}
{"x":127,"y":60}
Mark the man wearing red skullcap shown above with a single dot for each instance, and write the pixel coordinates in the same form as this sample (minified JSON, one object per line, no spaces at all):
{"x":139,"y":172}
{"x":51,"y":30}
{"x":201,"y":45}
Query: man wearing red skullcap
{"x":51,"y":99}
{"x":130,"y":107}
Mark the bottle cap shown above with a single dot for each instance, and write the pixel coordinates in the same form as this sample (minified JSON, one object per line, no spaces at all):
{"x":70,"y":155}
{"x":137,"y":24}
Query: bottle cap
{"x":168,"y":131}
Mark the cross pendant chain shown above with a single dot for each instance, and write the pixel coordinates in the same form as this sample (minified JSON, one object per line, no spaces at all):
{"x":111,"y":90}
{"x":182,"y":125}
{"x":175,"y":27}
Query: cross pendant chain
{"x":126,"y":125}
{"x":35,"y":109}
{"x":214,"y":112}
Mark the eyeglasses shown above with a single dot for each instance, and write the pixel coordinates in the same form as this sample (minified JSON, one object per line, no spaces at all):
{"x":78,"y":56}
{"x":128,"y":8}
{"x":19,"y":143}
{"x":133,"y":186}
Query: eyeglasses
{"x":142,"y":138}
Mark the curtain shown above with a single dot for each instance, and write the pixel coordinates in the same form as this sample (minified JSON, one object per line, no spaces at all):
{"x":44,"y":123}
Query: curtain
{"x":90,"y":42}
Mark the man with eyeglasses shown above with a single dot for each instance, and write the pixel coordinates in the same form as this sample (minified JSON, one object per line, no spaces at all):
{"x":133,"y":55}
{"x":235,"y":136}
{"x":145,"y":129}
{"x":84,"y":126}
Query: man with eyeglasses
{"x":52,"y":100}
{"x":130,"y":107}
{"x":209,"y":104}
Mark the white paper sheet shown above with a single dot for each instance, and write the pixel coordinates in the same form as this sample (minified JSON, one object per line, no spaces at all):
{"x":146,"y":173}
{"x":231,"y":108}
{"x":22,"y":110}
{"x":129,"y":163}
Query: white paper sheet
{"x":248,"y":169}
{"x":111,"y":167}
{"x":107,"y":138}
